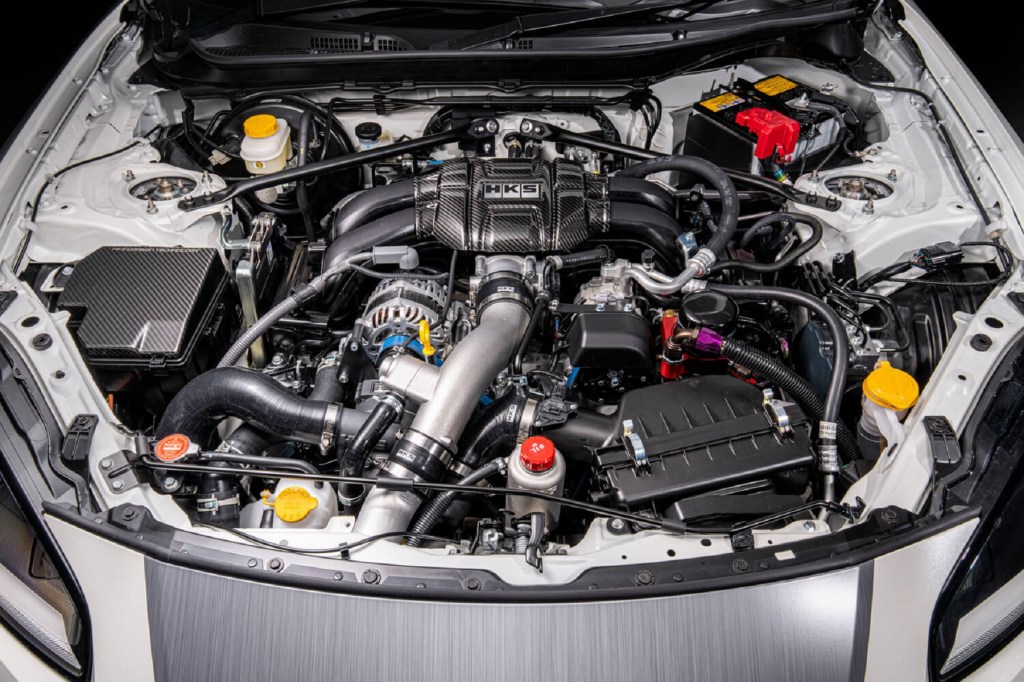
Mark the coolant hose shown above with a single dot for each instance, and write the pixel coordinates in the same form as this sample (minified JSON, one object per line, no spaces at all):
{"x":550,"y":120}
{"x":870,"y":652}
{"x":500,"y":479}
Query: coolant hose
{"x":787,"y":260}
{"x":257,"y":400}
{"x":434,"y":509}
{"x":352,"y":461}
{"x":828,"y":429}
{"x":730,"y":213}
{"x":499,"y":425}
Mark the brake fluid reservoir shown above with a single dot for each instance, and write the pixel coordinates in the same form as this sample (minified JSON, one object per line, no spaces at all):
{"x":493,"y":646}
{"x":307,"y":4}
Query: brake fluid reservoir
{"x":540,"y":467}
{"x":888,"y":394}
{"x":266,"y":146}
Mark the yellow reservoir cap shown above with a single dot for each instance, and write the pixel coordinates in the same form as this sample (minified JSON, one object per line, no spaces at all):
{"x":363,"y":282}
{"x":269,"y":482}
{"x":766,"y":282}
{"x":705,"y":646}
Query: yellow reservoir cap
{"x":294,"y":504}
{"x":891,"y":388}
{"x":260,"y":125}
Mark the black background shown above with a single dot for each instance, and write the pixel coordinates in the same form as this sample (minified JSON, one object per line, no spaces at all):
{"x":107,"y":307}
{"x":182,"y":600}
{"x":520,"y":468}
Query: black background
{"x":987,"y":39}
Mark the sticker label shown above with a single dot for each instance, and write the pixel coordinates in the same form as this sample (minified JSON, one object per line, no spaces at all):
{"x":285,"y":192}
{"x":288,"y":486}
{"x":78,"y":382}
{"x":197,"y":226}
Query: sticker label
{"x":776,"y":85}
{"x":723,"y":101}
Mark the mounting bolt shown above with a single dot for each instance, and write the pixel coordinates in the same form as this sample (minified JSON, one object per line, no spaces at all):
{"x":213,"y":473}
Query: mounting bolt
{"x":252,"y":563}
{"x":371,"y":576}
{"x":275,"y":564}
{"x":129,"y":175}
{"x":171,"y":483}
{"x":892,"y":175}
{"x":106,"y":463}
{"x":117,"y":485}
{"x":129,"y":513}
{"x":643,"y":578}
{"x":617,"y":525}
{"x":810,"y":526}
{"x":869,"y":207}
{"x":151,"y":208}
{"x":473,"y":584}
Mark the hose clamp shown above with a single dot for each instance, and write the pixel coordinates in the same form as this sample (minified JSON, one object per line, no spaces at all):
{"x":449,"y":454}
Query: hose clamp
{"x":332,"y":415}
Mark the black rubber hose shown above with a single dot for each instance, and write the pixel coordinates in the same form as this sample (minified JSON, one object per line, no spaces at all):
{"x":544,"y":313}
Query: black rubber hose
{"x":540,"y":311}
{"x":372,"y":204}
{"x":730,"y":212}
{"x":254,"y":398}
{"x":499,"y":424}
{"x":787,"y":260}
{"x":643,"y":227}
{"x":796,"y":387}
{"x":249,"y":440}
{"x":829,"y":463}
{"x":352,"y":461}
{"x":301,"y":190}
{"x":389,"y":230}
{"x":326,"y":386}
{"x":580,"y":258}
{"x":434,"y":509}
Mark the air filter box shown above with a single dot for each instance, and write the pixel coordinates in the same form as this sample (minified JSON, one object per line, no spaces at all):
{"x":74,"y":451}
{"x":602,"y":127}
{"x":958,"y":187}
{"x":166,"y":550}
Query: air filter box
{"x":743,"y":124}
{"x":153,"y":309}
{"x":699,"y":435}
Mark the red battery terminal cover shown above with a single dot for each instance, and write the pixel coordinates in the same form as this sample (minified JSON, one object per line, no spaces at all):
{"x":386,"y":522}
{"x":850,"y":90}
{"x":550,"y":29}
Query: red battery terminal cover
{"x":775,"y":132}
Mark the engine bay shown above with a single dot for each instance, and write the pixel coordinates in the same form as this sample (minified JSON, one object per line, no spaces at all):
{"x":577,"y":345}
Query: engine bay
{"x":535,"y":332}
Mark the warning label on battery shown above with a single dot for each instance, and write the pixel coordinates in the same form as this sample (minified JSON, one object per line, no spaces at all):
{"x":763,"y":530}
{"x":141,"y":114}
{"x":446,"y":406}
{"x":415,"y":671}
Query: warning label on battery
{"x":723,"y":101}
{"x":776,"y":85}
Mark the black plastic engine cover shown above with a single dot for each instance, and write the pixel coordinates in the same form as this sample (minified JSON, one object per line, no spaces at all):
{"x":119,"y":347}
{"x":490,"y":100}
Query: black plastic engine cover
{"x":511,"y":205}
{"x":700,"y":434}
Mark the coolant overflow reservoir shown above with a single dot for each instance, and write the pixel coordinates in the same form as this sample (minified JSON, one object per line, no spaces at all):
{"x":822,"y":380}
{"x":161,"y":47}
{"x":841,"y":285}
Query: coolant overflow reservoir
{"x":266,"y":145}
{"x":888,"y":394}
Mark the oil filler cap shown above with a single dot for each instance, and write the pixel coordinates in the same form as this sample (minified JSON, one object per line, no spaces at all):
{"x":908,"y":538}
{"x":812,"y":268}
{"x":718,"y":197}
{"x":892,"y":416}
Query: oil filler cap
{"x":891,"y":388}
{"x":294,"y":504}
{"x":173,"y":447}
{"x":537,"y":453}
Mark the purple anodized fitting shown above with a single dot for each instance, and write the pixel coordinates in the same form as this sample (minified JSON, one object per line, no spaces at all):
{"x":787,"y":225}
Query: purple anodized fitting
{"x":708,"y":341}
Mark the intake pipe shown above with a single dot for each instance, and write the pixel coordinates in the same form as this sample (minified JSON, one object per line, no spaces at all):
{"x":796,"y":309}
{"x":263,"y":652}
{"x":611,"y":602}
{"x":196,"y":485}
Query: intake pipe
{"x":257,"y":400}
{"x":448,"y":396}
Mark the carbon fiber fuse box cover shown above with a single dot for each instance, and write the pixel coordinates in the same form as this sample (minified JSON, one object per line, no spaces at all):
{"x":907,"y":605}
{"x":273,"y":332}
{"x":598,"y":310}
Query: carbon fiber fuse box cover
{"x":143,"y":306}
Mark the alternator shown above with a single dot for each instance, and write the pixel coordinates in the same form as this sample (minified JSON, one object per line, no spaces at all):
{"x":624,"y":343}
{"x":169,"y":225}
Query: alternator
{"x":396,"y":307}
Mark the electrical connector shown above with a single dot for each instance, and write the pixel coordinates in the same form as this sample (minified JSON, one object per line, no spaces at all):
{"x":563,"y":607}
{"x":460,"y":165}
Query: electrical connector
{"x":939,"y":256}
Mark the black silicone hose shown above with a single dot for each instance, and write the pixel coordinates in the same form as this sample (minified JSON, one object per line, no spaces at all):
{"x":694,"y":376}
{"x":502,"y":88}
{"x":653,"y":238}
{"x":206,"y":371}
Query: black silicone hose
{"x":254,"y":398}
{"x":796,"y":387}
{"x":352,"y":461}
{"x":498,"y":425}
{"x":787,"y":260}
{"x":326,"y":386}
{"x":434,"y":509}
{"x":540,"y":311}
{"x":714,"y":175}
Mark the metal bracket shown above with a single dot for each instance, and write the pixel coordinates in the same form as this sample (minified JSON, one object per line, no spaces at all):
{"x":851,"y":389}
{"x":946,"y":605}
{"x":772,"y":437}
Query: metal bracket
{"x":118,"y":472}
{"x":776,"y":410}
{"x":634,"y":446}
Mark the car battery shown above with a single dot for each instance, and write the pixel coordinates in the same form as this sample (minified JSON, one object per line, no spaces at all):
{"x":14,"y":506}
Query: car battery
{"x":747,"y":126}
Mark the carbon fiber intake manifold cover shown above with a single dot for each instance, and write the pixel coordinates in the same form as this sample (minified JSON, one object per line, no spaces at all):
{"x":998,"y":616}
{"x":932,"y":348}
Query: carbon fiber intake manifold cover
{"x":511,"y":205}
